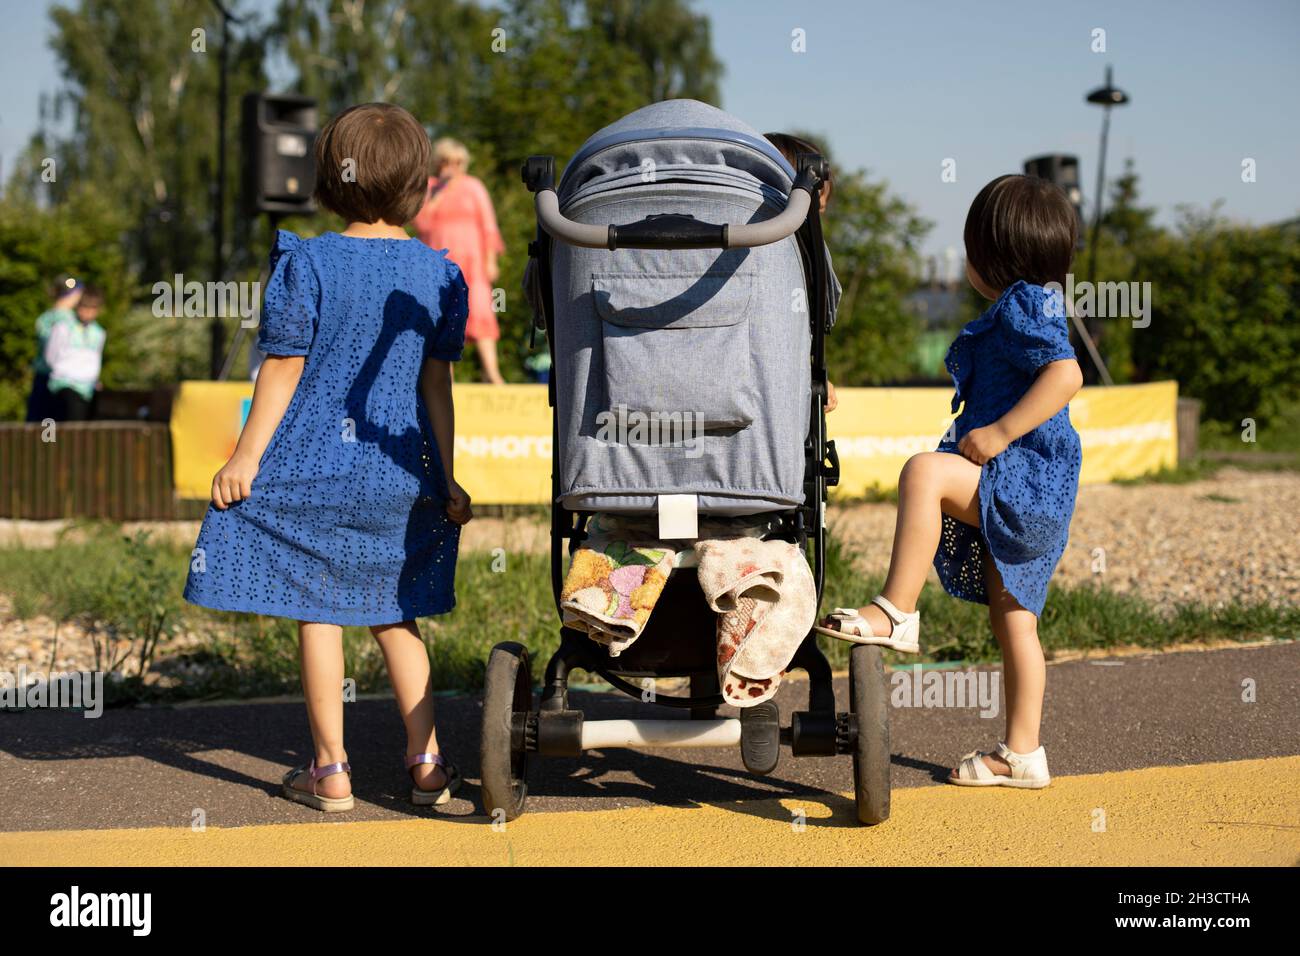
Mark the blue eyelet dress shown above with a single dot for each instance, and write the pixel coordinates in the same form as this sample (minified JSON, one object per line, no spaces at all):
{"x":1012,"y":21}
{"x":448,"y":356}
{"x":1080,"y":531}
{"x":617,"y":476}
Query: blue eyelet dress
{"x":1026,"y":494}
{"x":346,"y":522}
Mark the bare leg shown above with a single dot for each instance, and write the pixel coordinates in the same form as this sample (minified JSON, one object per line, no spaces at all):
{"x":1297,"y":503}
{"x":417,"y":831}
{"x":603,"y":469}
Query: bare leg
{"x":1023,"y":668}
{"x":487,"y":352}
{"x":320,"y":655}
{"x":408,"y":671}
{"x":931,"y":485}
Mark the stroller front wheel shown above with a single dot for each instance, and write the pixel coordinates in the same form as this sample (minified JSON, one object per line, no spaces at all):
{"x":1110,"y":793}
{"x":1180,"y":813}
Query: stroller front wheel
{"x":869,"y":702}
{"x":507,"y":702}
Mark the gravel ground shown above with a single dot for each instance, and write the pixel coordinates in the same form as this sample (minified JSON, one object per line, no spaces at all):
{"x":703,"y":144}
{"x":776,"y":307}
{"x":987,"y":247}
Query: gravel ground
{"x":1235,"y":537}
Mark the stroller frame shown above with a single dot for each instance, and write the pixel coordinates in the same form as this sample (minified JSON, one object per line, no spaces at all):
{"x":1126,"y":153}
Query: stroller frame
{"x":514,"y":731}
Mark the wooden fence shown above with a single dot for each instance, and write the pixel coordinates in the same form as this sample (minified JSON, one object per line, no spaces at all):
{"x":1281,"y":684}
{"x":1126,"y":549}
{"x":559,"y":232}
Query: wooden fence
{"x":119,"y":471}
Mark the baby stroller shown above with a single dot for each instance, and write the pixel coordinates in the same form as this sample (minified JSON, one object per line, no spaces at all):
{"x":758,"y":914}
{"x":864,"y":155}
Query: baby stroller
{"x":668,"y":263}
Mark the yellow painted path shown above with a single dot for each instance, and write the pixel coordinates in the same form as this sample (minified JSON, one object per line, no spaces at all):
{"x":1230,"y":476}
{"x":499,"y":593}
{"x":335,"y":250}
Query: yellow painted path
{"x":1240,"y":813}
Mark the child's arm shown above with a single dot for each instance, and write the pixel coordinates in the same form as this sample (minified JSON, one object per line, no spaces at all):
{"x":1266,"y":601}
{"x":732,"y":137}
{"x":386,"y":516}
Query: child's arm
{"x":1056,"y":384}
{"x":55,"y":345}
{"x":277,"y":380}
{"x":435,"y":390}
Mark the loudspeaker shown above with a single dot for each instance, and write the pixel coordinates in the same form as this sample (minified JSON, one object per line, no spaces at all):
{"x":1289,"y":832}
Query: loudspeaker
{"x":278,"y":134}
{"x":1063,"y":170}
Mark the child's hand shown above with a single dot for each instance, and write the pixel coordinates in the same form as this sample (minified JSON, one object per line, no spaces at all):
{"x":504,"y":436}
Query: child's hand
{"x":458,"y":506}
{"x":981,"y":444}
{"x":234,"y":482}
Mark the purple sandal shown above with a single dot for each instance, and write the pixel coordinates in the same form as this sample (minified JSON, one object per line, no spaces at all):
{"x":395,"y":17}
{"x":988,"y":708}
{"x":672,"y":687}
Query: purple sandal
{"x":313,"y":799}
{"x":430,"y":798}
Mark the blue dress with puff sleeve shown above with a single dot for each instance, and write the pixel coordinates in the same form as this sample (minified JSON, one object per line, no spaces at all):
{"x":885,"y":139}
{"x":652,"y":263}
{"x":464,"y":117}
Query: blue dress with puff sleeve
{"x":346,"y":520}
{"x":1026,"y":494}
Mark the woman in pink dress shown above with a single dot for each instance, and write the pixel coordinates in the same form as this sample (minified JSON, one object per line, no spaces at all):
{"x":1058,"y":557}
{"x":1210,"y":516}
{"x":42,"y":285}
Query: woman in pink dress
{"x":458,"y":216}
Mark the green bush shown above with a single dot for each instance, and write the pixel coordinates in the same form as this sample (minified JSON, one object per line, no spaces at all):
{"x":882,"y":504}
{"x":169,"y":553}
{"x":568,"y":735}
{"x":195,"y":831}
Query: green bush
{"x":1225,"y":316}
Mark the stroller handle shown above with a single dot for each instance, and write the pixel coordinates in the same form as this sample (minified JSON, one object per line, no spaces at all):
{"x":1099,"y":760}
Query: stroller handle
{"x":671,"y":230}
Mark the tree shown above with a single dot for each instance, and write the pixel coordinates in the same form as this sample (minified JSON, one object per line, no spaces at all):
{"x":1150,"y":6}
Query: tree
{"x":140,"y":87}
{"x":534,"y":76}
{"x":509,"y":79}
{"x":1226,"y":315}
{"x":672,"y":42}
{"x":1126,"y":228}
{"x":1124,"y":220}
{"x":874,"y":238}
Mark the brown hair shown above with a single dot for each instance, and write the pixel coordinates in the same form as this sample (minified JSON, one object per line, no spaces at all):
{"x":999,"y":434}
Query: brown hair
{"x":372,"y":163}
{"x":91,"y":295}
{"x":790,"y":146}
{"x":1021,"y":227}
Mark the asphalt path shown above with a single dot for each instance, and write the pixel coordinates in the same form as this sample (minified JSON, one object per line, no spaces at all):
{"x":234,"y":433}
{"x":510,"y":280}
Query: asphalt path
{"x":168,"y":767}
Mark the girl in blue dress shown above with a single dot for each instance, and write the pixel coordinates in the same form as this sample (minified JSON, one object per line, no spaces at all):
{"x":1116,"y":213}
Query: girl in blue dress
{"x":339,"y":504}
{"x":991,"y":508}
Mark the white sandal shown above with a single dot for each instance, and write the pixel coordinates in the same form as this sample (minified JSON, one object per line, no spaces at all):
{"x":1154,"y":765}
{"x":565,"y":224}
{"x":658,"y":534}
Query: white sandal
{"x":1028,"y":771}
{"x":904,"y":635}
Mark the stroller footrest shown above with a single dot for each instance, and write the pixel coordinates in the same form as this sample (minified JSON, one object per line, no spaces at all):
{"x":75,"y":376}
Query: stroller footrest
{"x":760,"y":737}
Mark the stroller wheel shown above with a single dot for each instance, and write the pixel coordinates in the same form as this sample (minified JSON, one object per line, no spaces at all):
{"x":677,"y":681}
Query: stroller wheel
{"x":507,"y":694}
{"x":869,"y":701}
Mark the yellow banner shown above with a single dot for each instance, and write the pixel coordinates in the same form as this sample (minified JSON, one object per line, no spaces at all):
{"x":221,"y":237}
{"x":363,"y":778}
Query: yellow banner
{"x":503,"y":443}
{"x":503,"y":435}
{"x":206,"y":420}
{"x":1125,"y":431}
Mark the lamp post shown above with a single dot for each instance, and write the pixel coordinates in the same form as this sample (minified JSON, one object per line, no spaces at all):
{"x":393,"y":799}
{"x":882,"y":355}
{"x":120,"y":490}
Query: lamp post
{"x":1106,"y":97}
{"x":218,"y":349}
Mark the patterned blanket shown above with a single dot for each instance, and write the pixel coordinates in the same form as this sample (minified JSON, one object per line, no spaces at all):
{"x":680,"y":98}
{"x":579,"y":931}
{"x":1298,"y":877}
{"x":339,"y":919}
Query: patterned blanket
{"x":763,"y":592}
{"x":766,"y":600}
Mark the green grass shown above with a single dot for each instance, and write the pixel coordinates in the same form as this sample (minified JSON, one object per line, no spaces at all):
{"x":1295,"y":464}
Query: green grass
{"x":1078,"y":618}
{"x":90,"y":581}
{"x":873,"y":495}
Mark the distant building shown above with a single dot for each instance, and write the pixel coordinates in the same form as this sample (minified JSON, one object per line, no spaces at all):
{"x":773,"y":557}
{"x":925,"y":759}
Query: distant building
{"x":937,"y":300}
{"x":940,"y":303}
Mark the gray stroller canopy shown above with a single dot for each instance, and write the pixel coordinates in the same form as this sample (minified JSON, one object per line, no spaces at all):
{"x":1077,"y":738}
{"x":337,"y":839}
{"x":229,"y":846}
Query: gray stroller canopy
{"x":676,"y":133}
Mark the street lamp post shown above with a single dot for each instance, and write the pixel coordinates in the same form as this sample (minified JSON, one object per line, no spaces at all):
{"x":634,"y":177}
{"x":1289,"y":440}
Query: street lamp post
{"x":218,"y":344}
{"x":1106,"y":97}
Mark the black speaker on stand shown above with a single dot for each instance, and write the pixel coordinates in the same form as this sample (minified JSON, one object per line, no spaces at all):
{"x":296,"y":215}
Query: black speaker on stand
{"x":1062,"y":169}
{"x":278,"y":136}
{"x":278,"y":141}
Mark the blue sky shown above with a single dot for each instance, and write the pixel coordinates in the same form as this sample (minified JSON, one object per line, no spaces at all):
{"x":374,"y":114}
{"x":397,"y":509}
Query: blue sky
{"x":899,"y":87}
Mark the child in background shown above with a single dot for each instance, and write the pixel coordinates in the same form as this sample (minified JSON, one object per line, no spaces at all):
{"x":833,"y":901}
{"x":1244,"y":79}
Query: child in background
{"x":67,"y":293}
{"x":790,"y":147}
{"x":75,"y":355}
{"x":991,"y":507}
{"x":339,"y":505}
